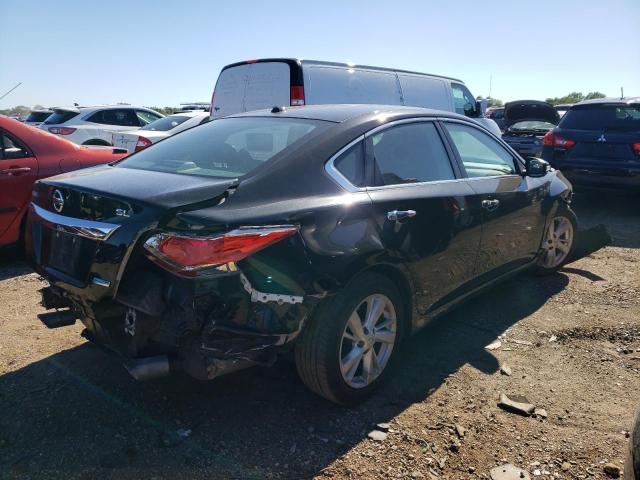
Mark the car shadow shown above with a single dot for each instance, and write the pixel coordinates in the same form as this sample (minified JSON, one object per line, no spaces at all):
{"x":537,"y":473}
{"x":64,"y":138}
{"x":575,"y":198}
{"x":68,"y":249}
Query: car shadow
{"x":13,"y":263}
{"x":77,"y":413}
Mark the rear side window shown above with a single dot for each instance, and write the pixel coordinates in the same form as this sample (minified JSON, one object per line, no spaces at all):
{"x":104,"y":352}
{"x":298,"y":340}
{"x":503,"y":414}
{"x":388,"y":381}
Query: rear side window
{"x":603,"y":117}
{"x":481,"y":155}
{"x":349,"y":85}
{"x":60,"y":116}
{"x":351,"y":165}
{"x":123,"y":117}
{"x":228,"y":147}
{"x":408,"y":154}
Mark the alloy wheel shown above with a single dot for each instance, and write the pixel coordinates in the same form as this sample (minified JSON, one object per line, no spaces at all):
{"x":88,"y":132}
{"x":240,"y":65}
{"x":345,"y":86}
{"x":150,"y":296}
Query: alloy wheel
{"x":557,"y":243}
{"x":367,"y":341}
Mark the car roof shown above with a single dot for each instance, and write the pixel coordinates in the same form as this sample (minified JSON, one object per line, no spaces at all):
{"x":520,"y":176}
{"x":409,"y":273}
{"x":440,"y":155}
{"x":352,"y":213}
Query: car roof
{"x":342,"y":112}
{"x":84,"y":108}
{"x":300,"y":61}
{"x":609,"y":100}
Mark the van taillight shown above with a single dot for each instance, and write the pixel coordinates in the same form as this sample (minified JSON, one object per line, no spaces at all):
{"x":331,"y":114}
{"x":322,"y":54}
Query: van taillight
{"x":297,"y":95}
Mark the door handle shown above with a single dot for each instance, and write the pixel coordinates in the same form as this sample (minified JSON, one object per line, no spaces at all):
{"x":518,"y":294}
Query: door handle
{"x":490,"y":205}
{"x":400,"y":215}
{"x":15,"y":170}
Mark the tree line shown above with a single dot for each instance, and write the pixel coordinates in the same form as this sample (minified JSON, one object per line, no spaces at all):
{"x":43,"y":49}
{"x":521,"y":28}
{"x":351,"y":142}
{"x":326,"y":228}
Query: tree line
{"x":573,"y":97}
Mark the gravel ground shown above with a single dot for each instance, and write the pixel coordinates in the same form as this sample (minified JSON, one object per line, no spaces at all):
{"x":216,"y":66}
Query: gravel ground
{"x":571,"y":343}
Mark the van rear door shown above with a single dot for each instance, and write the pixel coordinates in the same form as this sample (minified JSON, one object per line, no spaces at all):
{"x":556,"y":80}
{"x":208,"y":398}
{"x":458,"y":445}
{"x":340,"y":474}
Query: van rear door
{"x":251,"y":86}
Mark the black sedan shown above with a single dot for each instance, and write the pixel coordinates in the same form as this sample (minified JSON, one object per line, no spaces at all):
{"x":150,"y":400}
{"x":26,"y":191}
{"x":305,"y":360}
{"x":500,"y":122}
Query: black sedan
{"x":332,"y":231}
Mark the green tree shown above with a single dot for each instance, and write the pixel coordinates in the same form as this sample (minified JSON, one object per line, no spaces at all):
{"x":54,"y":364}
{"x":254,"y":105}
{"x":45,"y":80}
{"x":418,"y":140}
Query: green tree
{"x":592,"y":95}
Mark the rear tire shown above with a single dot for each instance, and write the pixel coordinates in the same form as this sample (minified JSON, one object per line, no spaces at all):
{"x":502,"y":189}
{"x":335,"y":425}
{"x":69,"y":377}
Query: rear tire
{"x":344,"y":362}
{"x":558,"y":242}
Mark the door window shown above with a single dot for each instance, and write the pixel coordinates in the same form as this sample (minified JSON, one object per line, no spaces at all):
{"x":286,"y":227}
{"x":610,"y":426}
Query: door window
{"x":145,"y":118}
{"x":463,"y":101}
{"x":481,"y":155}
{"x":11,"y":148}
{"x":410,"y":153}
{"x":122,"y":117}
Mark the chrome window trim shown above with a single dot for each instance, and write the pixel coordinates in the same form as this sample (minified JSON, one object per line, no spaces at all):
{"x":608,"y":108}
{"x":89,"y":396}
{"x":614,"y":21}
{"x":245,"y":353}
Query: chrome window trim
{"x":335,"y":174}
{"x":76,"y":226}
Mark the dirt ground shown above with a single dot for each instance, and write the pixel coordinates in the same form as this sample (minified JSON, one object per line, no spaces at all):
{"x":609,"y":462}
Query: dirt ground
{"x":571,"y":341}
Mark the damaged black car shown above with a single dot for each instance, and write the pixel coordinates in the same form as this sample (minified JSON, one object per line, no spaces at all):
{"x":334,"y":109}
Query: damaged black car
{"x":329,"y":232}
{"x":526,"y":123}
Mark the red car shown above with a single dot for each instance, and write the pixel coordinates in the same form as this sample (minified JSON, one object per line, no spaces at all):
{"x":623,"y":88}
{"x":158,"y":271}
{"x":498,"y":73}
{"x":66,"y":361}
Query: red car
{"x":28,"y":154}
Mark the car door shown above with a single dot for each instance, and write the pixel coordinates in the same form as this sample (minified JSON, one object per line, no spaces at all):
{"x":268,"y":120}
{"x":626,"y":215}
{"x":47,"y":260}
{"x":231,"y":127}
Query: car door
{"x":18,"y":171}
{"x":513,"y":215}
{"x":421,"y":207}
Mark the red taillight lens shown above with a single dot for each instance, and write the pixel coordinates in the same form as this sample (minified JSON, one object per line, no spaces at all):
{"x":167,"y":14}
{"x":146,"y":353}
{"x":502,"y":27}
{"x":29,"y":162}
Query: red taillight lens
{"x":62,"y":130}
{"x":186,"y":255}
{"x":297,"y":96}
{"x":551,"y":140}
{"x":636,"y":148}
{"x":142,"y":143}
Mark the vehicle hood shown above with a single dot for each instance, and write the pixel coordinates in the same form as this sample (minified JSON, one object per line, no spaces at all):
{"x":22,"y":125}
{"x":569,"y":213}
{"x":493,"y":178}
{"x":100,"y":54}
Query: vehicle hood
{"x":523,"y":110}
{"x":156,"y":189}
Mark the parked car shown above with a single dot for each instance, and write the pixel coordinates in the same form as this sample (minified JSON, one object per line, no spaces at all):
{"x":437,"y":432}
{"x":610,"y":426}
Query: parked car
{"x":334,"y":231}
{"x":497,"y":115}
{"x":264,"y":83}
{"x":597,"y":143}
{"x":94,"y":125}
{"x":36,"y":117}
{"x":526,"y":122}
{"x":27,"y":154}
{"x":135,"y":140}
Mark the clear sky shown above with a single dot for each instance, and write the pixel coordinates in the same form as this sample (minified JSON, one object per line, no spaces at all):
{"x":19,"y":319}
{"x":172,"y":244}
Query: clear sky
{"x":162,"y":52}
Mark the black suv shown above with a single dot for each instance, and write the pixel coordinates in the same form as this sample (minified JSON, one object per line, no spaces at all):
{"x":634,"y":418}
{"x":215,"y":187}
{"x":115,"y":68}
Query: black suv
{"x":597,"y":143}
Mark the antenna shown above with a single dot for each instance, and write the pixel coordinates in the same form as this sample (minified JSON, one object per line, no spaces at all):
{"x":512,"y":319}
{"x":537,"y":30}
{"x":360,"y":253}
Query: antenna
{"x":621,"y":93}
{"x":490,"y":81}
{"x":19,"y":83}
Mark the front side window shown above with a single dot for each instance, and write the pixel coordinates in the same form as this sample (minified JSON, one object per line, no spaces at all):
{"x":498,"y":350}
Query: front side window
{"x":121,"y":117}
{"x":463,"y":101}
{"x":11,"y":148}
{"x":481,"y":155}
{"x":228,"y":147}
{"x":145,"y":117}
{"x":410,"y":153}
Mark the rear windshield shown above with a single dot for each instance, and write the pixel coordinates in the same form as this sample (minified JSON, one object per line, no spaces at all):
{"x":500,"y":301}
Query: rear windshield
{"x":37,"y":116}
{"x":166,"y":123}
{"x":229,"y":147}
{"x":603,"y":117}
{"x":60,"y":116}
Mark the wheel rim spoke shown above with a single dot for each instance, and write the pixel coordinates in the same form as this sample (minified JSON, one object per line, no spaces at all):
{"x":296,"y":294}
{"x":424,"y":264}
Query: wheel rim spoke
{"x":350,"y":363}
{"x":375,"y":307}
{"x":369,"y":365}
{"x":557,"y":244}
{"x":384,"y":336}
{"x":355,"y":325}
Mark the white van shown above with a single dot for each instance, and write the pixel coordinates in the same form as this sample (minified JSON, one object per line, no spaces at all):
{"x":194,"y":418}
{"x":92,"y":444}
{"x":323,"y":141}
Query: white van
{"x":269,"y":82}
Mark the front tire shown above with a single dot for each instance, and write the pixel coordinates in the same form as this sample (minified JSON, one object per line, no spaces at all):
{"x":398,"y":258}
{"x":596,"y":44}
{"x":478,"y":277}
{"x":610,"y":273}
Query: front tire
{"x":558,"y":242}
{"x":351,"y":343}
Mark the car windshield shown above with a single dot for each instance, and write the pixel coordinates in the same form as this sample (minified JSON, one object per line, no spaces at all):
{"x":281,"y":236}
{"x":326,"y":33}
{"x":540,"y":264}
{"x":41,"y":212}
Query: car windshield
{"x":60,"y":116}
{"x":603,"y":117}
{"x":166,"y":123}
{"x":532,"y":125}
{"x":229,"y":147}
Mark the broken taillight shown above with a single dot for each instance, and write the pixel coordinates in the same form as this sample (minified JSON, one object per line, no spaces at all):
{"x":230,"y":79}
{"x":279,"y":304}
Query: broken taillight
{"x":186,"y":254}
{"x":142,"y":143}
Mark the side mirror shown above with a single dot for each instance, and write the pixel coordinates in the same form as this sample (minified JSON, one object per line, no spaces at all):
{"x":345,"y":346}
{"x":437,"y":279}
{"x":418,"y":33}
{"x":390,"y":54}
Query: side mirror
{"x":537,"y":167}
{"x":481,"y":107}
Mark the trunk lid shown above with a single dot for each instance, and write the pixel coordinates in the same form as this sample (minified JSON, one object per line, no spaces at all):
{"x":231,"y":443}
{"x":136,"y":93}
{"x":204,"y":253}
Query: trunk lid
{"x":532,"y":110}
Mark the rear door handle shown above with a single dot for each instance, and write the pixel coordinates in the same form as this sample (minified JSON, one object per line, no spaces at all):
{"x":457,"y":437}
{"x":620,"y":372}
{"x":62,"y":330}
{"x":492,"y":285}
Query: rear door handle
{"x":490,"y":205}
{"x":400,"y":215}
{"x":15,"y":170}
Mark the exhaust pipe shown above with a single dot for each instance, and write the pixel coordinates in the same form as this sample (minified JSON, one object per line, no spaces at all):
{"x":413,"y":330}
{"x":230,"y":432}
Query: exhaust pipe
{"x":148,"y":368}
